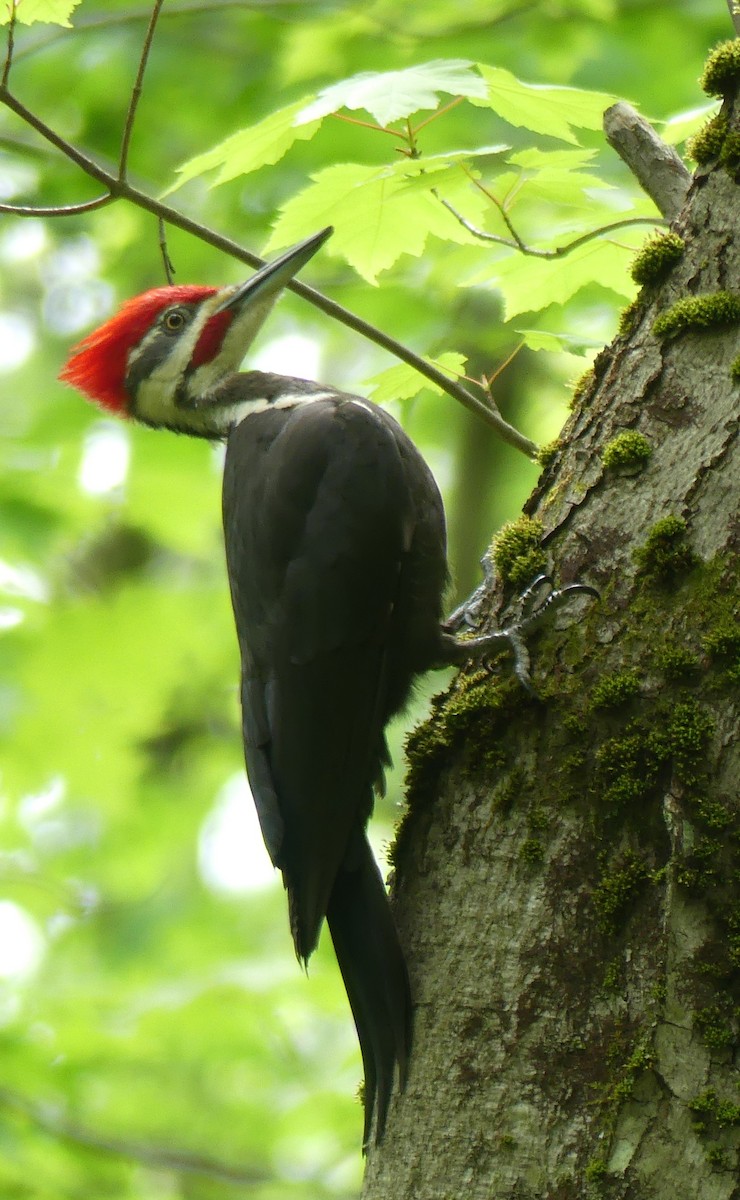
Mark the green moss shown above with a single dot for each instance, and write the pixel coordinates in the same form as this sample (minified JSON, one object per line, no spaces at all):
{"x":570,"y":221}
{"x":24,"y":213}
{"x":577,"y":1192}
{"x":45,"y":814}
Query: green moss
{"x":582,"y":387}
{"x":722,"y":71}
{"x":596,"y":1171}
{"x":628,"y":318}
{"x":627,"y":767}
{"x":532,"y":852}
{"x":617,"y":891}
{"x":547,"y":454}
{"x":657,"y":258}
{"x":722,"y":643}
{"x":517,"y":551}
{"x":706,"y":145}
{"x":665,"y":552}
{"x":689,"y":731}
{"x":613,"y":976}
{"x":699,"y":312}
{"x":676,"y":662}
{"x":715,"y":1027}
{"x":614,"y":690}
{"x":627,"y":449}
{"x":718,"y":1158}
{"x":735,"y":370}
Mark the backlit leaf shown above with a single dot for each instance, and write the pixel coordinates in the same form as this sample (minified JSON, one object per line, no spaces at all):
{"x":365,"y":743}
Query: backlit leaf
{"x":249,"y":149}
{"x":554,"y":111}
{"x":402,"y":382}
{"x":392,"y":95}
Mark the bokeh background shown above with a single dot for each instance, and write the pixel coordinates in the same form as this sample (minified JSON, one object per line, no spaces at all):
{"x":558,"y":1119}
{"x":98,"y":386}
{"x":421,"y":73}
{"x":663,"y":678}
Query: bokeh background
{"x":157,"y":1038}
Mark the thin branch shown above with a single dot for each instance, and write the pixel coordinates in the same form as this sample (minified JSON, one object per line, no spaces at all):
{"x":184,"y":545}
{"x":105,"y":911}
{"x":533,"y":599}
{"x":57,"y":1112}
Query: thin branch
{"x":515,"y":242}
{"x":121,"y":189}
{"x":11,"y":43}
{"x":734,"y":7}
{"x":136,"y":90}
{"x":59,"y":210}
{"x":169,"y":270}
{"x":655,"y":165}
{"x":171,"y":1158}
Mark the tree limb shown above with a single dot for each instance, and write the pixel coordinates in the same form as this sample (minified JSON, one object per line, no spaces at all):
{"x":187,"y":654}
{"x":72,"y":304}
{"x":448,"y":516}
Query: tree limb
{"x":655,"y":165}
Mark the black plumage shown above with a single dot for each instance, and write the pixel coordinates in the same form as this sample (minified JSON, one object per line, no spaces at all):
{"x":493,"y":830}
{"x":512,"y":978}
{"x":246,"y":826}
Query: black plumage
{"x":335,"y":545}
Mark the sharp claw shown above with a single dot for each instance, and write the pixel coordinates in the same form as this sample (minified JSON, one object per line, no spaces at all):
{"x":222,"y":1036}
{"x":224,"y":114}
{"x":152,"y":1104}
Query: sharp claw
{"x":513,"y":635}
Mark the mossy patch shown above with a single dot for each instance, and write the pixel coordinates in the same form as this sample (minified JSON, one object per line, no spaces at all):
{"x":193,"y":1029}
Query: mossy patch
{"x":628,"y":318}
{"x":657,"y":257}
{"x":735,"y":370}
{"x":665,"y":553}
{"x":717,"y":310}
{"x":612,"y":691}
{"x":548,"y":453}
{"x":721,"y":74}
{"x":629,"y":449}
{"x":618,"y":889}
{"x":582,"y":388}
{"x":706,"y":145}
{"x":517,"y":551}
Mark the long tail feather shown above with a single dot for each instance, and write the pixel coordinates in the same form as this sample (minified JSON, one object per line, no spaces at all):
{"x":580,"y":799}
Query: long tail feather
{"x":375,"y":977}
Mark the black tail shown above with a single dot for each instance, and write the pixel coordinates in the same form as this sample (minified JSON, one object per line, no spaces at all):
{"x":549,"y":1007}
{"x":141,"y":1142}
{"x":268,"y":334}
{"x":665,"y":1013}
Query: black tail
{"x":374,"y":972}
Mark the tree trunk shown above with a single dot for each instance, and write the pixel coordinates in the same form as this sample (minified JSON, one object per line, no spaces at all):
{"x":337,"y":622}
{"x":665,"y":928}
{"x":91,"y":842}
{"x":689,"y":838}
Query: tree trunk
{"x":567,"y":876}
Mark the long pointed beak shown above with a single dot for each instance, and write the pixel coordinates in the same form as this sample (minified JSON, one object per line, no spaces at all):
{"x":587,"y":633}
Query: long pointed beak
{"x":275,"y":275}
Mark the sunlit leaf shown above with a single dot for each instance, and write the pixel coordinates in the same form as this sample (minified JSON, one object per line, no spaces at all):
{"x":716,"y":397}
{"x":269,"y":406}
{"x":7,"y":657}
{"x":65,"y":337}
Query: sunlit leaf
{"x":402,"y":382}
{"x":554,"y":111}
{"x":249,"y":149}
{"x":392,"y":95}
{"x":376,"y":218}
{"x":530,"y":284}
{"x":55,"y":12}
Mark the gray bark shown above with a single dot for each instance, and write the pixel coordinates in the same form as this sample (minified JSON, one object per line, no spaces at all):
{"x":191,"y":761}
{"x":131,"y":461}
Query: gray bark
{"x":567,"y":879}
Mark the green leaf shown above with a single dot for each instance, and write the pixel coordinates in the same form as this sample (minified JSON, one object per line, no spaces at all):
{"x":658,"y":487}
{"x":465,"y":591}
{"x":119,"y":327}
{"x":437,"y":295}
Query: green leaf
{"x":684,"y":125}
{"x":553,"y":111}
{"x":531,"y":284}
{"x":556,"y":343}
{"x":54,"y":12}
{"x":402,"y":381}
{"x":376,"y":216}
{"x":392,"y":95}
{"x":249,"y":149}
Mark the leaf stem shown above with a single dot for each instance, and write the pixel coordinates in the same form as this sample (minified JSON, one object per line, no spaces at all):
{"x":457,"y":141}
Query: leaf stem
{"x":136,"y":90}
{"x":118,"y":187}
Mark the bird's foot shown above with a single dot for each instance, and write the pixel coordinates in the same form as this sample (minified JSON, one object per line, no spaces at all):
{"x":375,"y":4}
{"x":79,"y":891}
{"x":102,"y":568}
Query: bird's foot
{"x":531,"y":610}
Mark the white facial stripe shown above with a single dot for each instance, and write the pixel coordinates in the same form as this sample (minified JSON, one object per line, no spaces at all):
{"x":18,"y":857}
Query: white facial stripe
{"x":155,"y":394}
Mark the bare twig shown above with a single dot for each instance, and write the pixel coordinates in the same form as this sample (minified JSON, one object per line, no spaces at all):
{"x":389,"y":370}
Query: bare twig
{"x":655,"y":165}
{"x":59,"y":210}
{"x":136,"y":91}
{"x":515,"y":242}
{"x":169,"y":270}
{"x":10,"y":44}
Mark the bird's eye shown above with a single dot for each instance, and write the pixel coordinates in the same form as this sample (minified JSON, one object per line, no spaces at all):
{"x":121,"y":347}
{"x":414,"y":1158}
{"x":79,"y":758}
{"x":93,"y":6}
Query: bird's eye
{"x":173,"y":320}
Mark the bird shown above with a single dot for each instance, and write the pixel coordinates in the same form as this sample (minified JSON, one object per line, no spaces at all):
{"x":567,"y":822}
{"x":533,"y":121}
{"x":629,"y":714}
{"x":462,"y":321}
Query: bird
{"x":334,"y":532}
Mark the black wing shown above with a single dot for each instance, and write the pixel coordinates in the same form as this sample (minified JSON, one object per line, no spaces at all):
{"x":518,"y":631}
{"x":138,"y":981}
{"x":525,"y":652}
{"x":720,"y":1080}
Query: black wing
{"x":321,"y":521}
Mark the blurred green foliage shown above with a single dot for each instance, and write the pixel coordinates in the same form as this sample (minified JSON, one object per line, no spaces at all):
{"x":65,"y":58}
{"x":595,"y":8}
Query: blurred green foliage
{"x":158,"y":1039}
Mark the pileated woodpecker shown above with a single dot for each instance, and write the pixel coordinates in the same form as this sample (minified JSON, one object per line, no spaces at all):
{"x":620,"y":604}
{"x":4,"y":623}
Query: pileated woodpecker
{"x":336,"y":555}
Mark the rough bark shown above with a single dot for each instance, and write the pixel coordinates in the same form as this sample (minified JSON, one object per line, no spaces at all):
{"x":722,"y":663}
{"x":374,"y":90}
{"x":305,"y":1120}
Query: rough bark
{"x":568,"y":873}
